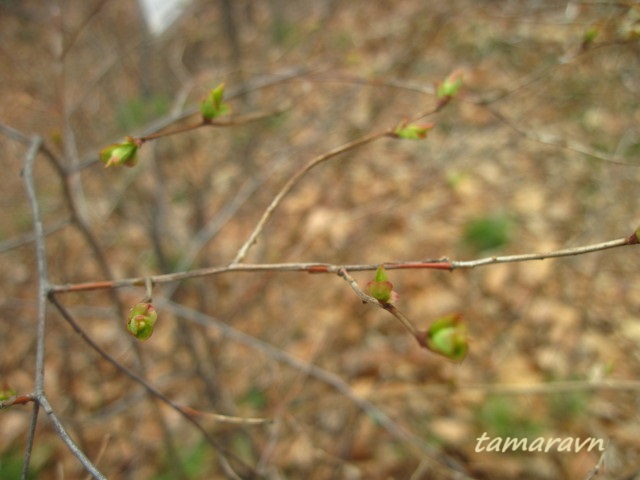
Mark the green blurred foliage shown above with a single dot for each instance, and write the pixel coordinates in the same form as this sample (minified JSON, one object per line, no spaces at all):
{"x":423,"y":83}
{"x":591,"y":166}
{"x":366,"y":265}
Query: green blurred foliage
{"x":139,"y":110}
{"x":487,"y":233}
{"x":503,"y":417}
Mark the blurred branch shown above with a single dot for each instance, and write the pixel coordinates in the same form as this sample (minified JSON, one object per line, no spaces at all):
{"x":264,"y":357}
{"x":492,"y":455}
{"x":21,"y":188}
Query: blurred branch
{"x":26,"y":238}
{"x":62,"y":433}
{"x":555,"y":141}
{"x":184,"y":412}
{"x":331,"y":379}
{"x":596,"y":469}
{"x":73,"y":36}
{"x":318,"y":268}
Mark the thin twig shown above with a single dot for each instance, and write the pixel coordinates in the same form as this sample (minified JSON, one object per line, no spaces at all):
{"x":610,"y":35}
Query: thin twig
{"x":21,"y":240}
{"x":287,"y":187}
{"x":62,"y":433}
{"x":17,"y":400}
{"x":230,"y":419}
{"x":566,"y":252}
{"x":550,"y":388}
{"x":596,"y":469}
{"x":318,"y":268}
{"x":230,"y":121}
{"x":553,"y":141}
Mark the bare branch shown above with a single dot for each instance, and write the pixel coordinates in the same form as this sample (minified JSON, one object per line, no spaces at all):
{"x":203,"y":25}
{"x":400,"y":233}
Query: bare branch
{"x":62,"y":433}
{"x":43,"y":285}
{"x":317,"y":268}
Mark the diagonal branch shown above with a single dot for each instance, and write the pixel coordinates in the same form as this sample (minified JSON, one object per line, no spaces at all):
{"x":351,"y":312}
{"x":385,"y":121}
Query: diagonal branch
{"x":287,"y":187}
{"x":185,"y":412}
{"x":320,"y":374}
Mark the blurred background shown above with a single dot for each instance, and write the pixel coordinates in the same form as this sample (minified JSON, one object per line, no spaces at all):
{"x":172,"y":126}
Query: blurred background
{"x":539,"y":152}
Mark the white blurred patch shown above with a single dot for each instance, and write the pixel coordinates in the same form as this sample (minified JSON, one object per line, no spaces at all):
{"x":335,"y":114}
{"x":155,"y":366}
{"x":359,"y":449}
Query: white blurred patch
{"x":160,"y":14}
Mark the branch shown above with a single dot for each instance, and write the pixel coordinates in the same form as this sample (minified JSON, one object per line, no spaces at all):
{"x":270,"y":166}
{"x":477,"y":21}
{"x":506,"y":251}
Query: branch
{"x":317,"y":268}
{"x":17,"y":400}
{"x":62,"y":433}
{"x":43,"y":283}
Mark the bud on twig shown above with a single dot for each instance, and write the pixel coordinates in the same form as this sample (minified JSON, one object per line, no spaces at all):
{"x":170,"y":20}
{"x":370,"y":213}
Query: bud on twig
{"x":212,"y":105}
{"x":380,"y":288}
{"x":412,"y":131}
{"x":125,"y":153}
{"x":142,"y":318}
{"x":449,"y":88}
{"x":447,"y":336}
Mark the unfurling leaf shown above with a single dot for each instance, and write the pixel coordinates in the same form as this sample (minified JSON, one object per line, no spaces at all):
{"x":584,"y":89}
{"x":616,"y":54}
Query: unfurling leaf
{"x":449,"y":88}
{"x":634,"y":239}
{"x":413,"y":131}
{"x":447,"y":336}
{"x":125,"y":153}
{"x":6,"y":392}
{"x":589,"y":36}
{"x":212,"y":105}
{"x":142,"y":319}
{"x":380,"y":288}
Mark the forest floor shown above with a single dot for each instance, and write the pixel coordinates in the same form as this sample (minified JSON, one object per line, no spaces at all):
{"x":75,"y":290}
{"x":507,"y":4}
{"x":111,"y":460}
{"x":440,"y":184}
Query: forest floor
{"x":538,"y":152}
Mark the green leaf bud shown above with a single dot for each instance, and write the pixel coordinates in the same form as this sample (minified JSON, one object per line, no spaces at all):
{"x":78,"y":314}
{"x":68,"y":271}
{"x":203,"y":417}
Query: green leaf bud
{"x":212,"y":105}
{"x":142,"y":319}
{"x":447,"y":336}
{"x":6,"y":392}
{"x":125,"y":153}
{"x":413,"y":131}
{"x":380,"y":288}
{"x":449,"y":88}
